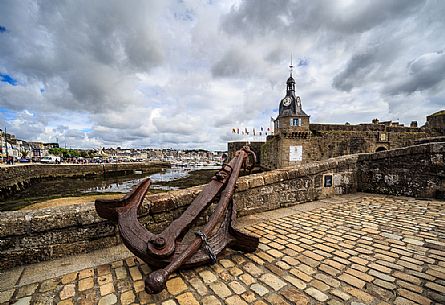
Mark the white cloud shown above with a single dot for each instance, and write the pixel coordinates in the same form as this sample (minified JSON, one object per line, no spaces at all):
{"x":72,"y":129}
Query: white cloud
{"x":183,"y":74}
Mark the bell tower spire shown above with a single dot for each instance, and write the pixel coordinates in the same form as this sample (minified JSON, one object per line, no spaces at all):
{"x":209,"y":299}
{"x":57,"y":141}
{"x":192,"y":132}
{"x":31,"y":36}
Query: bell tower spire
{"x":291,"y":67}
{"x":290,"y":81}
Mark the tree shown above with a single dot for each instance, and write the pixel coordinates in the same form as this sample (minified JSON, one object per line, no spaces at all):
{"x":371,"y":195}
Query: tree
{"x":66,"y":153}
{"x":56,"y":151}
{"x":24,"y":153}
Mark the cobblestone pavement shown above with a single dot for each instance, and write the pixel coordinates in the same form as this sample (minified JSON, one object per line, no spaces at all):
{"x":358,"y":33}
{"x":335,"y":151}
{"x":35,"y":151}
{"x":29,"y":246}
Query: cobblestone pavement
{"x":361,"y":249}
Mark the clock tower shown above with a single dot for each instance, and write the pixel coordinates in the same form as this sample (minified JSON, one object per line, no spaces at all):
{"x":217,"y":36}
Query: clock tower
{"x":291,"y":117}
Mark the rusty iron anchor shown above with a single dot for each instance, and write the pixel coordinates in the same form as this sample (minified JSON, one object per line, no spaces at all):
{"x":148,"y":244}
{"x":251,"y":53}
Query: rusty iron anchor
{"x":166,"y":252}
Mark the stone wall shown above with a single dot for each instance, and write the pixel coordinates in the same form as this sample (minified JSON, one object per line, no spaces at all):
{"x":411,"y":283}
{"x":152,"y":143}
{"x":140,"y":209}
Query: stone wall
{"x":328,"y":141}
{"x":436,"y":121}
{"x":13,"y":178}
{"x":32,"y":236}
{"x":416,"y":171}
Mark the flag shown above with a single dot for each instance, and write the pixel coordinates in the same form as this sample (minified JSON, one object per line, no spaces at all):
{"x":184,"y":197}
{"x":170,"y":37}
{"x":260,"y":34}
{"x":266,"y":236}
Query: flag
{"x":237,"y":130}
{"x":254,"y":131}
{"x":261,"y":128}
{"x":233,"y":130}
{"x":245,"y":130}
{"x":268,"y":129}
{"x":261,"y":133}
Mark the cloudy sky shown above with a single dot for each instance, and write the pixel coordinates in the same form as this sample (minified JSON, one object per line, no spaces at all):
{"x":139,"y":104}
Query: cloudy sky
{"x":182,"y":74}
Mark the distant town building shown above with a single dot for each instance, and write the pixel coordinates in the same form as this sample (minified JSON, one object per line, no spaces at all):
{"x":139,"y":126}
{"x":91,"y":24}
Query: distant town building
{"x":20,"y":149}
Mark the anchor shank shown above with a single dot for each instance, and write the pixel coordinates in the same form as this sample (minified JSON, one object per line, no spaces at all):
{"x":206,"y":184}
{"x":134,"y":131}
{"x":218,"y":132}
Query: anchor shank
{"x":179,"y":225}
{"x":155,"y":281}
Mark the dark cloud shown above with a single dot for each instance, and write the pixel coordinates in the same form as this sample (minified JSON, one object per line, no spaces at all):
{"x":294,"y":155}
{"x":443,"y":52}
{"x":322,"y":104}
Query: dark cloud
{"x":423,"y":73}
{"x":357,"y":69}
{"x":234,"y":63}
{"x":260,"y":17}
{"x":92,"y":50}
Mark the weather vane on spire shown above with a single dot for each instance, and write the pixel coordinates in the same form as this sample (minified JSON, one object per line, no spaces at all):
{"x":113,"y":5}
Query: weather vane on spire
{"x":291,"y":66}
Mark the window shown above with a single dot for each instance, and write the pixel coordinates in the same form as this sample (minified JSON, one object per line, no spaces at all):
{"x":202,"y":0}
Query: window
{"x":327,"y":180}
{"x":295,"y":122}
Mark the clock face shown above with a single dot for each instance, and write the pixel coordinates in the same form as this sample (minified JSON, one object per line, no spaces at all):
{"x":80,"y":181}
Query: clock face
{"x":287,"y":100}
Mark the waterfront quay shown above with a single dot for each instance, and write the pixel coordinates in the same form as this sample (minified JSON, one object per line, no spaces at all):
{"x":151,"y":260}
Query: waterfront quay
{"x":350,"y":249}
{"x":16,"y":177}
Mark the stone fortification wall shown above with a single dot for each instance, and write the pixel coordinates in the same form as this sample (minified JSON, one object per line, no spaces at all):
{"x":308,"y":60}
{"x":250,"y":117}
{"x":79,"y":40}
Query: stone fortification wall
{"x":416,"y":171}
{"x":45,"y":234}
{"x":329,"y":141}
{"x":437,"y":121}
{"x":363,"y":127}
{"x":13,"y":178}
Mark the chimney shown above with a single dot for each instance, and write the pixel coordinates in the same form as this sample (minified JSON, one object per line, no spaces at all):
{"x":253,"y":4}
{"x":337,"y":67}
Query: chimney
{"x":413,"y":124}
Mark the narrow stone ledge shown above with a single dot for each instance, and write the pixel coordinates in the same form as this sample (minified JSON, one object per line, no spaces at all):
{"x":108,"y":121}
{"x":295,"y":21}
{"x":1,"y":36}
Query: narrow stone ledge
{"x":242,"y":184}
{"x":255,"y":181}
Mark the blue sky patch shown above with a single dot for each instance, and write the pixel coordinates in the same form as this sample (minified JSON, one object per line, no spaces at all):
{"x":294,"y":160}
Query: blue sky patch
{"x":2,"y":29}
{"x":86,"y":130}
{"x":303,"y":62}
{"x":7,"y":114}
{"x":6,"y":78}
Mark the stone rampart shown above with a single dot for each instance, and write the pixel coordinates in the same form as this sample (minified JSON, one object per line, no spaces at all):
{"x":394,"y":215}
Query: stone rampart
{"x":364,"y":128}
{"x":13,"y":178}
{"x":32,"y":236}
{"x":415,"y":171}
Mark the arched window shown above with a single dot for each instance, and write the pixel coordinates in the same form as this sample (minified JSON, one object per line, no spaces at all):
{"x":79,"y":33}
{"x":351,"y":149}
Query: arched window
{"x":381,"y":148}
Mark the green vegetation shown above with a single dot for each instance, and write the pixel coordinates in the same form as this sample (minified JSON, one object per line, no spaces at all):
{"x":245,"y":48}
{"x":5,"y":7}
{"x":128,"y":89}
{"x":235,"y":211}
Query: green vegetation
{"x":442,"y":112}
{"x":24,"y":153}
{"x":72,"y":153}
{"x":63,"y":152}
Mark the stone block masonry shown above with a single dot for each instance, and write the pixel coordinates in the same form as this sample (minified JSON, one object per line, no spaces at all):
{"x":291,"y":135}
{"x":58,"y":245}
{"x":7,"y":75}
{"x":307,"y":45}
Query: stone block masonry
{"x":45,"y":234}
{"x":419,"y":173}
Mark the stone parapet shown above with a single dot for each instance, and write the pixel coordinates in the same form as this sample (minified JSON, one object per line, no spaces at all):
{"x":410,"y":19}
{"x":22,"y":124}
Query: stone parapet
{"x":416,"y":171}
{"x":363,"y":127}
{"x":32,"y":236}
